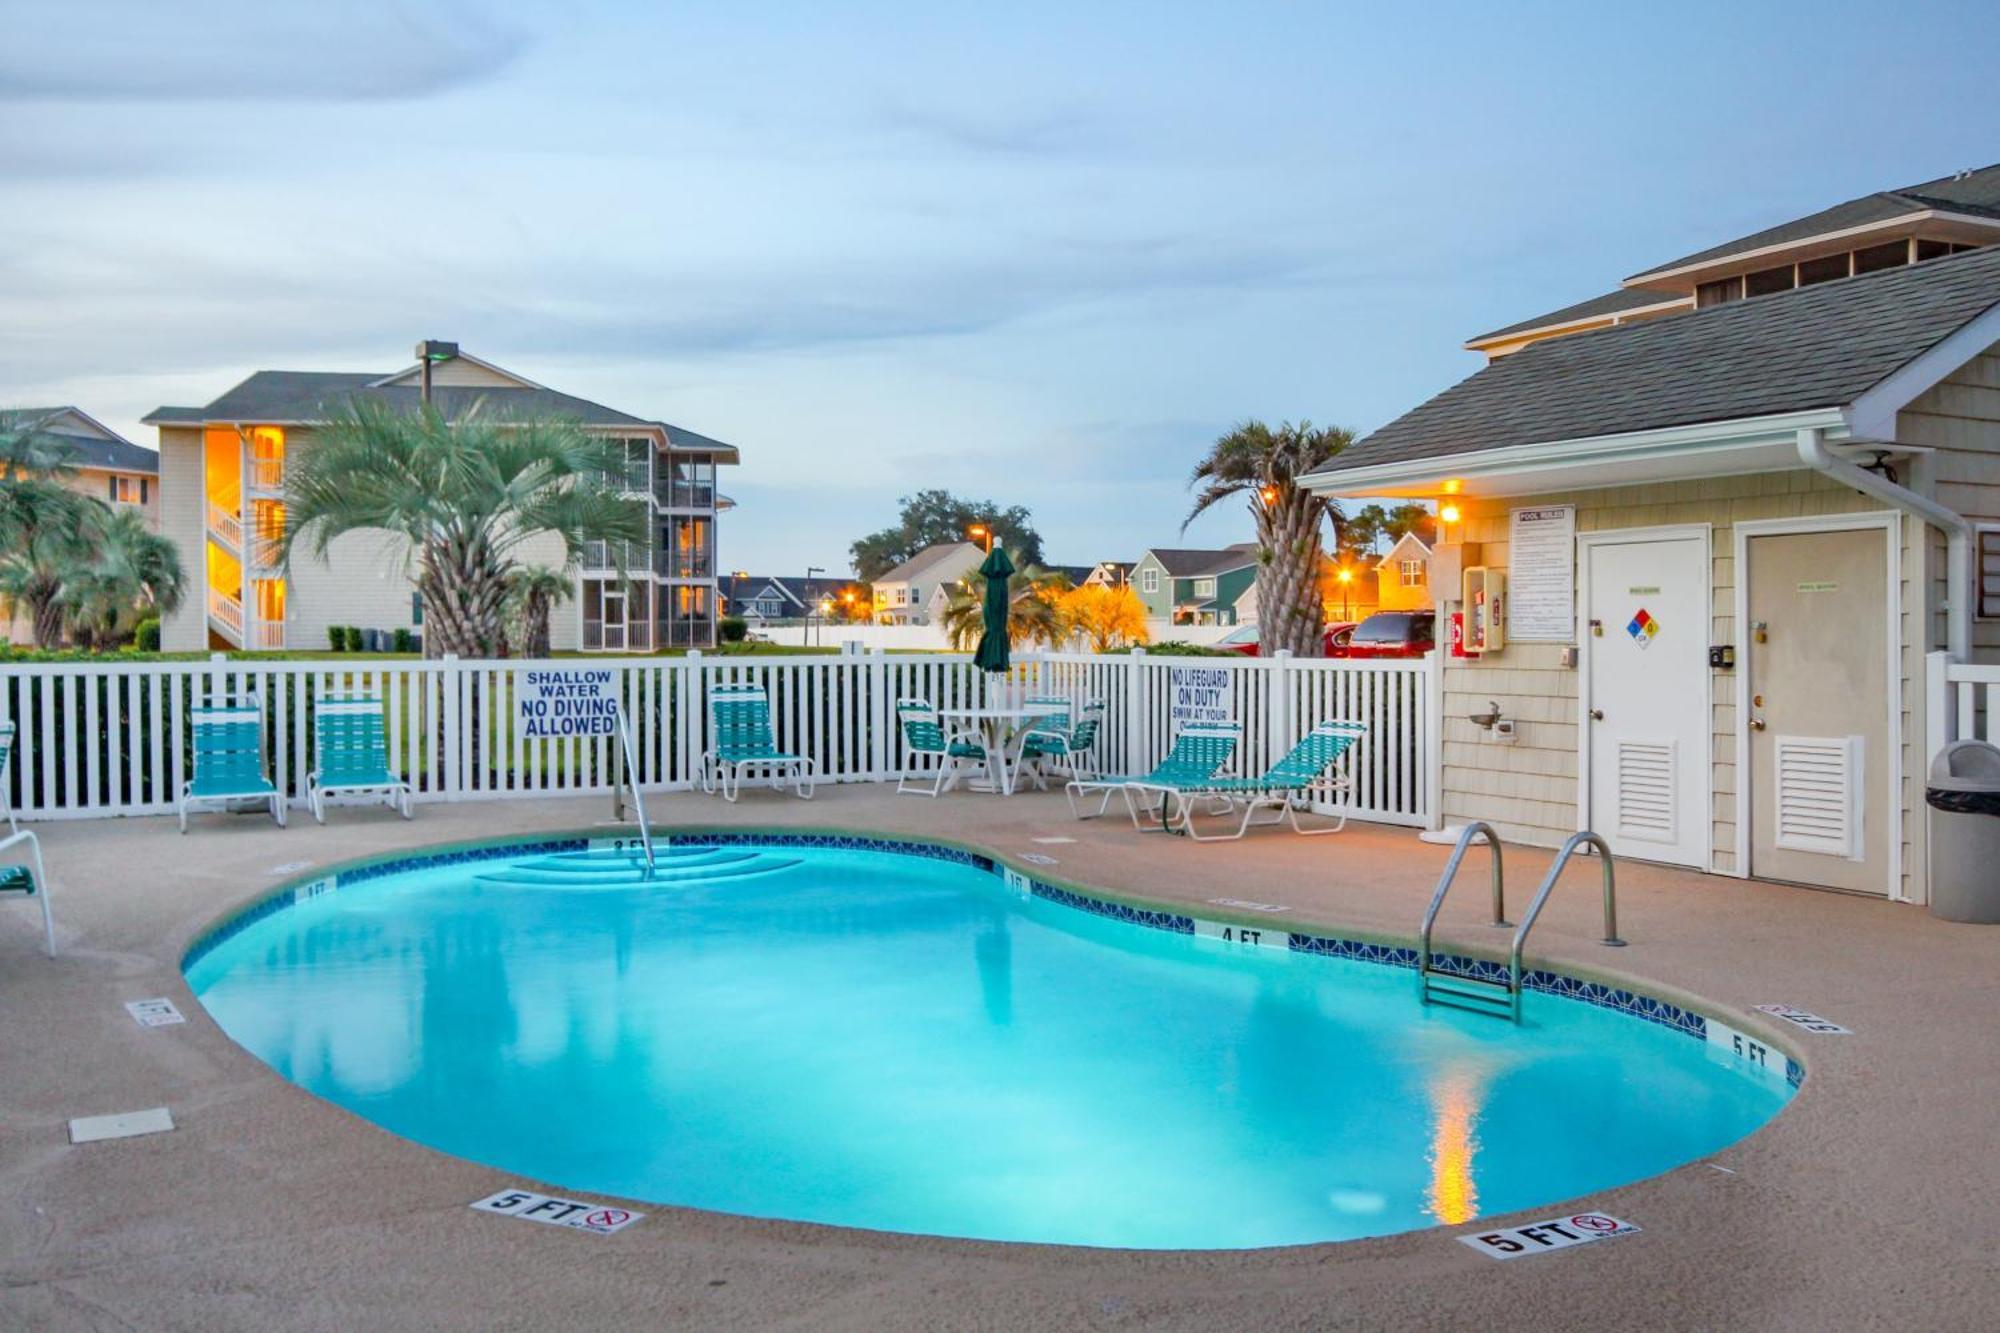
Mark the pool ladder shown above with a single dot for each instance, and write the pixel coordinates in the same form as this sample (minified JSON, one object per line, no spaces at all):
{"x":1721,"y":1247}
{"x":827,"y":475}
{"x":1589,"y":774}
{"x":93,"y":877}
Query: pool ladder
{"x":1502,"y":998}
{"x":627,"y":760}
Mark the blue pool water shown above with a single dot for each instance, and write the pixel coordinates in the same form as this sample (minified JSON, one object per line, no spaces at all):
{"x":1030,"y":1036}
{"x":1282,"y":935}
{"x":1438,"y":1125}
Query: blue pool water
{"x":889,"y":1041}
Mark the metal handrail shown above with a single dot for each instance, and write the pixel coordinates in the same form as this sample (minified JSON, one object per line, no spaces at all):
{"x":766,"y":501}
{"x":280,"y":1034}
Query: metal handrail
{"x":1611,"y":940}
{"x":630,"y":755}
{"x":1482,"y":829}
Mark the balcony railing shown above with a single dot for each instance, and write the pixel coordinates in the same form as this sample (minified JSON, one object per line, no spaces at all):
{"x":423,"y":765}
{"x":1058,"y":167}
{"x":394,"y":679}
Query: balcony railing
{"x":267,"y":474}
{"x":226,"y":611}
{"x":270,"y":634}
{"x":616,"y":558}
{"x":225,"y":525}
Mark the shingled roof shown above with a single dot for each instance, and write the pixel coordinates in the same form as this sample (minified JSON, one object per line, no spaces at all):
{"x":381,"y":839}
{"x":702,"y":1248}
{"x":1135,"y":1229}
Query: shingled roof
{"x":93,"y":444}
{"x":1611,"y":303}
{"x":292,"y":397}
{"x":1976,"y":193}
{"x":1185,"y":564}
{"x":1812,"y":347}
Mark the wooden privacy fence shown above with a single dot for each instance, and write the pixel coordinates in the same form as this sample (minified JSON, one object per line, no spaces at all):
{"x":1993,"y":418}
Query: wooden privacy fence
{"x":103,"y":739}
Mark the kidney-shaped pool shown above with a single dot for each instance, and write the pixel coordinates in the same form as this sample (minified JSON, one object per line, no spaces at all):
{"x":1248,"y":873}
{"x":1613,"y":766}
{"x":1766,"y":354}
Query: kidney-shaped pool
{"x":907,"y":1038}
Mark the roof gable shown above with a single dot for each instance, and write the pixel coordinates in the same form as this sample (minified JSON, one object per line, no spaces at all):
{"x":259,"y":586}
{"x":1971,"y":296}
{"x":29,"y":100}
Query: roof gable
{"x":1812,"y":347}
{"x":928,"y":559}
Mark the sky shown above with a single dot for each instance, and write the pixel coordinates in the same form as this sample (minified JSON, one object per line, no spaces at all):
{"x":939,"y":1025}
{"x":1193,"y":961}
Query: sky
{"x":1043,"y":254}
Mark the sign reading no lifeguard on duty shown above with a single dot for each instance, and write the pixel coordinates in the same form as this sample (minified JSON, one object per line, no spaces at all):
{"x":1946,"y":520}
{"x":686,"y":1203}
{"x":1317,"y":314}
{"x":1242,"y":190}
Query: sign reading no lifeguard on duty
{"x":578,"y":702}
{"x":1197,"y":694}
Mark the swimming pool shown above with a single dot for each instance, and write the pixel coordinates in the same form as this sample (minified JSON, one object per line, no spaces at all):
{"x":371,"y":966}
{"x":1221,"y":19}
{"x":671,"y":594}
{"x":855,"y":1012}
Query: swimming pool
{"x":909,"y":1038}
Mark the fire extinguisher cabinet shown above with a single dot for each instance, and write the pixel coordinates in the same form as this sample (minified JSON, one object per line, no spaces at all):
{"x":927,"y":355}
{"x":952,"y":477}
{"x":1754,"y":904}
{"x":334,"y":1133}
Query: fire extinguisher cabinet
{"x":1485,"y":610}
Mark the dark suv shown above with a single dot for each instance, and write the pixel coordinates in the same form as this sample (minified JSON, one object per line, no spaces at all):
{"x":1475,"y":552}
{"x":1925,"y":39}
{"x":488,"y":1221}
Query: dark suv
{"x":1394,"y":634}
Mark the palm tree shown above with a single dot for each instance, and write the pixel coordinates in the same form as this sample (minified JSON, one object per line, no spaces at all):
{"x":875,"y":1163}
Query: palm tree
{"x":1032,"y":617}
{"x":536,"y":591}
{"x":124,"y":568}
{"x":1265,"y":465}
{"x":468,"y":494}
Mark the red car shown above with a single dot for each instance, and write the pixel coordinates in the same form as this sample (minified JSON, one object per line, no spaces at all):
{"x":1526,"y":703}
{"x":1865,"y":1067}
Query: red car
{"x":1243,"y":639}
{"x":1393,"y":634}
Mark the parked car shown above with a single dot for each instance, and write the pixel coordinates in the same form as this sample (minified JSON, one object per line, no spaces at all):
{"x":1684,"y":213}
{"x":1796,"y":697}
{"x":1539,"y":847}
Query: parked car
{"x":1243,"y":639}
{"x":1394,"y":634}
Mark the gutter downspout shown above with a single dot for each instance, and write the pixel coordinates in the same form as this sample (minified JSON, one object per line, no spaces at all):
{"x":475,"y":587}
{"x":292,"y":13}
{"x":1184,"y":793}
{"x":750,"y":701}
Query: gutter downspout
{"x":1957,"y":533}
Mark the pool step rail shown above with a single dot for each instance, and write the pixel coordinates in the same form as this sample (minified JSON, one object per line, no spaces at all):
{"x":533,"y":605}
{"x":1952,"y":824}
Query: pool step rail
{"x":1502,"y":996}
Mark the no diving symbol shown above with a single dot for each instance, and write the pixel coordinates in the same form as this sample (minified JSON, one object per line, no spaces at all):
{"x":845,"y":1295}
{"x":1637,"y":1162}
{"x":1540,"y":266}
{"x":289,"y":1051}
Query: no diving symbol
{"x":1595,"y":1222}
{"x":608,"y":1217}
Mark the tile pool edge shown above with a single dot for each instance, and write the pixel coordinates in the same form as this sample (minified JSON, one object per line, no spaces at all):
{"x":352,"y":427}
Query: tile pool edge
{"x":1683,"y":1014}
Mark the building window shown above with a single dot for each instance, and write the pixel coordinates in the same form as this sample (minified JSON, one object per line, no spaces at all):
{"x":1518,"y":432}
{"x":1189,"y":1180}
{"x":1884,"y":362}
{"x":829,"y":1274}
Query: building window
{"x":1718,"y":292}
{"x":1986,"y":595}
{"x":1204,"y":587}
{"x":1766,"y":281}
{"x":688,"y":482}
{"x":128,"y":490}
{"x":1825,"y":269}
{"x":1413,"y":573}
{"x":1892,"y":254}
{"x":687,"y":548}
{"x":1150,"y":581}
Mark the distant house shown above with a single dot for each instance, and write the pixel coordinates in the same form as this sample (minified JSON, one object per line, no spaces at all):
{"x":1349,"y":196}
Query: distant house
{"x":1076,"y":574}
{"x":108,"y":466}
{"x":1403,"y":576}
{"x":1107,"y":574}
{"x":911,"y":593}
{"x":768,"y":599}
{"x":1187,"y":587}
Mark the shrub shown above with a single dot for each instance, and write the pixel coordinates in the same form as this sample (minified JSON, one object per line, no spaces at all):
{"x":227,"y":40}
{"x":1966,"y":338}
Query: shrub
{"x":735,"y":629}
{"x":146,"y":635}
{"x":336,"y":638}
{"x":353,"y":636}
{"x":405,"y":641}
{"x":1175,"y":648}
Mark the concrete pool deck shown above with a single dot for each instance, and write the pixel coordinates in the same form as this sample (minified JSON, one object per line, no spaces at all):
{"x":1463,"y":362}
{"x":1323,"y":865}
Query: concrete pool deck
{"x":1873,"y":1201}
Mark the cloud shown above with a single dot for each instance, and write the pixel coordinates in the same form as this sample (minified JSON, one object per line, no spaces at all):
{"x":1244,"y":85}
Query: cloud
{"x":231,"y":50}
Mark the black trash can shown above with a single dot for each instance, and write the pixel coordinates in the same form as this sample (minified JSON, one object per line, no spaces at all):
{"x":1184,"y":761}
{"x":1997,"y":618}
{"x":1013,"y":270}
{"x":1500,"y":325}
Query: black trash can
{"x":1964,"y":796}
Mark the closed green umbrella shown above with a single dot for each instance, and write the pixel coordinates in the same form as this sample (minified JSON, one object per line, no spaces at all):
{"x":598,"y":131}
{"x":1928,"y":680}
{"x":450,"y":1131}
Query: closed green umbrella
{"x":991,"y":654}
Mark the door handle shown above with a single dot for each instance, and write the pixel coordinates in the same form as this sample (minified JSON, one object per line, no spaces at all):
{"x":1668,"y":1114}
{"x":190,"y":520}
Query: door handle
{"x":1756,"y":724}
{"x":1597,"y":715}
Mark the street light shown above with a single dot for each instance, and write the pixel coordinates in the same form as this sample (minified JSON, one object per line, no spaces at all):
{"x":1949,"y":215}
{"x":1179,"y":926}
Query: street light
{"x":980,"y":530}
{"x":810,"y":571}
{"x":1270,"y":496}
{"x":1346,"y":577}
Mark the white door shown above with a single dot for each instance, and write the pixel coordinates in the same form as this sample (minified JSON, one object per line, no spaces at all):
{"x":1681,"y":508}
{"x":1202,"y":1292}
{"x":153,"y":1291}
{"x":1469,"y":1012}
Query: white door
{"x":1818,"y":671}
{"x":1646,"y":711}
{"x":614,"y":618}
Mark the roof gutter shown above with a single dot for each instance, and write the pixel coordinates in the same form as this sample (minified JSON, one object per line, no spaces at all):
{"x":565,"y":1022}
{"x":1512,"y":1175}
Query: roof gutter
{"x":1957,"y":532}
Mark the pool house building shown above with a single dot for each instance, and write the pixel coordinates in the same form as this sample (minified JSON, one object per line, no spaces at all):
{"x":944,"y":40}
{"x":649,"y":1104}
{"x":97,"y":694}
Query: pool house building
{"x":222,"y":474}
{"x":1712,"y":559}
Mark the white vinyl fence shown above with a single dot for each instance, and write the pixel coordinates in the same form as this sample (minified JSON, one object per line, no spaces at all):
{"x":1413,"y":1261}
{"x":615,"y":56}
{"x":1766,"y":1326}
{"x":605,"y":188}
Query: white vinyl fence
{"x":1963,"y":705}
{"x":102,"y":739}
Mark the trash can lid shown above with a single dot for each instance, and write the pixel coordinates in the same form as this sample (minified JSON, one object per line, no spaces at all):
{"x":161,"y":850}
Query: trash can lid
{"x":1977,"y":762}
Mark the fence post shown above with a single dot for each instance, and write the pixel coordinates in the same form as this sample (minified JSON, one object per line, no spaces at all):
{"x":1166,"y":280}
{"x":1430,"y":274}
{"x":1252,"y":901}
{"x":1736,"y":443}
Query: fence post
{"x":695,"y":702}
{"x":452,"y":770}
{"x":1135,"y":721}
{"x":1430,"y":728}
{"x":1280,"y":737}
{"x":880,"y":713}
{"x":1938,"y":729}
{"x":216,"y":661}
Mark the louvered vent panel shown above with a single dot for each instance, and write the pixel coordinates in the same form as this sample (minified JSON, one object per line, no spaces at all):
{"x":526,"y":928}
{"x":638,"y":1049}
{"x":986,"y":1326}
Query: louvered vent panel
{"x":1818,"y":805}
{"x":1646,"y":790}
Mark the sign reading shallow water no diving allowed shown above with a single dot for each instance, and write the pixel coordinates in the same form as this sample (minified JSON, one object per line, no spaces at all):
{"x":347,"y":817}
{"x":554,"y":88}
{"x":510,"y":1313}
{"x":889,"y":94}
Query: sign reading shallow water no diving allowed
{"x":580,"y":701}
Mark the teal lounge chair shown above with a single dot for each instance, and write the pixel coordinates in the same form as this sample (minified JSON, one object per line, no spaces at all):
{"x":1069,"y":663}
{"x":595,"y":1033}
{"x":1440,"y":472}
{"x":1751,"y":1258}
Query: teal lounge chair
{"x":29,"y":881}
{"x":1050,"y":714}
{"x":229,"y":761}
{"x":1055,"y":743}
{"x":1284,"y":786}
{"x":740,"y":739}
{"x":1199,"y":750}
{"x":925,"y":737}
{"x":351,"y":754}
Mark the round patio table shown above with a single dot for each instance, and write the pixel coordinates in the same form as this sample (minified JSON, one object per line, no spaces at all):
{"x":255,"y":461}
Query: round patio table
{"x":995,"y":730}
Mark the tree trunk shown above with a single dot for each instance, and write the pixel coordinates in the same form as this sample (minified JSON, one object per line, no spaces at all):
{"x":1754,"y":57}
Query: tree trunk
{"x":47,"y":615}
{"x":1288,"y":605}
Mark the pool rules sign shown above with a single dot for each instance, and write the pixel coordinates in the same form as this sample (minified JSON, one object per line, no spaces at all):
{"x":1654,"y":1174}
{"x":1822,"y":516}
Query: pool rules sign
{"x":551,"y":704}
